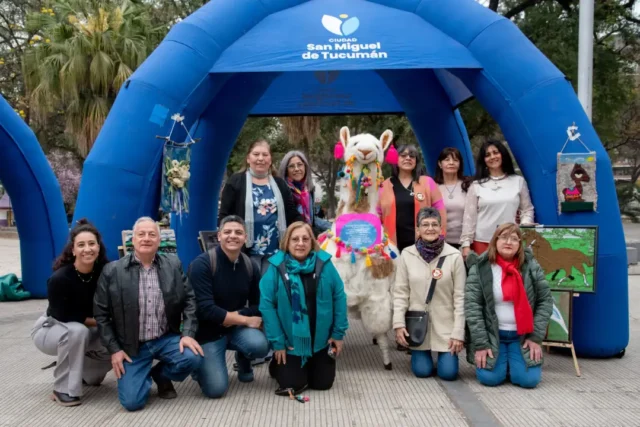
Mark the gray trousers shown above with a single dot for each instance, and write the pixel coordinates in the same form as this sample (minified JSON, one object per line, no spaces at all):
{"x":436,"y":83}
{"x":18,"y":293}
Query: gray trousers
{"x":79,"y":351}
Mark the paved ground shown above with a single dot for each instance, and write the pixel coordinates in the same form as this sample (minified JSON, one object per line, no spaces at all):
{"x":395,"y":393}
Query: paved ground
{"x":607,"y":394}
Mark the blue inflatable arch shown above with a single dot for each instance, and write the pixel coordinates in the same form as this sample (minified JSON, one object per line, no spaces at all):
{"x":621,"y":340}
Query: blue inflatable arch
{"x":35,"y":198}
{"x":234,"y":58}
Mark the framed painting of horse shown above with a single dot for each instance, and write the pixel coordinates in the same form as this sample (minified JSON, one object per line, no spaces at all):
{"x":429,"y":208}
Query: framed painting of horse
{"x":566,"y":254}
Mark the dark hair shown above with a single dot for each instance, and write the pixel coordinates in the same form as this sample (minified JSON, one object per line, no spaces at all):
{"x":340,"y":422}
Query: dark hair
{"x":419,"y":170}
{"x":272,"y":168}
{"x":482,"y":171}
{"x":428,"y":212}
{"x":66,"y":257}
{"x":231,"y":218}
{"x":439,"y":175}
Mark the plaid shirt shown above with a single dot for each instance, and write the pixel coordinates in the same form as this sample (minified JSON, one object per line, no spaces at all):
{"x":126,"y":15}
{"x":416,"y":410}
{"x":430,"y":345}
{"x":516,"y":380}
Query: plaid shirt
{"x":153,"y":320}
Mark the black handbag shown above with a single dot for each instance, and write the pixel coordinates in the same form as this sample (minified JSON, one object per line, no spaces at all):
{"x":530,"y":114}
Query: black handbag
{"x":417,"y":322}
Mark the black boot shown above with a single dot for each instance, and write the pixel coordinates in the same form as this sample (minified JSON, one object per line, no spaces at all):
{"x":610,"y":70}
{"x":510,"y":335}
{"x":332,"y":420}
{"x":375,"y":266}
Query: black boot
{"x":165,"y":387}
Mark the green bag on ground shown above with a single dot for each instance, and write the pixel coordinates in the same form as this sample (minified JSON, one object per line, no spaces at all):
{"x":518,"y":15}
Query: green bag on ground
{"x":11,"y":289}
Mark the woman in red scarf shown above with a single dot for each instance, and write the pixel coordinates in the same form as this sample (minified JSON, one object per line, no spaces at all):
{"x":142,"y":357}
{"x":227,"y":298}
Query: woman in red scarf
{"x":508,"y":305}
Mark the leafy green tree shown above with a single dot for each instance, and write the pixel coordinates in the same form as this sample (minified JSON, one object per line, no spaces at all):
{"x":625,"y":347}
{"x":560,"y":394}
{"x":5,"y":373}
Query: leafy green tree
{"x":80,"y":55}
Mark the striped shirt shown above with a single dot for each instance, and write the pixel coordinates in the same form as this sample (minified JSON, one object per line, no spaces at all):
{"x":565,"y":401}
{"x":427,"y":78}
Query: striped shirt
{"x":152,"y":320}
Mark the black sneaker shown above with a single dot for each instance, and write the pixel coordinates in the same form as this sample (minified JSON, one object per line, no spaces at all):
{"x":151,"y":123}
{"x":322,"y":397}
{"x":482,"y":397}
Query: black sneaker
{"x":165,"y":387}
{"x":63,"y":399}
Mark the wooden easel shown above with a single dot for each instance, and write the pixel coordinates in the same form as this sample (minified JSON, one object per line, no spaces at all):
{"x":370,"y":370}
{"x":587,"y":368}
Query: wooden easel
{"x":549,"y":344}
{"x":569,"y":344}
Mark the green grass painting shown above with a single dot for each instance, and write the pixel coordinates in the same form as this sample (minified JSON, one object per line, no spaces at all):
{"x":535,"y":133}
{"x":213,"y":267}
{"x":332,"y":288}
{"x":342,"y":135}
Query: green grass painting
{"x":559,"y":329}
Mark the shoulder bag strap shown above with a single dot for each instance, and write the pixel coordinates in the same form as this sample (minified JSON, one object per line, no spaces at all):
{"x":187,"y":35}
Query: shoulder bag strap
{"x":285,"y":278}
{"x":432,"y":288}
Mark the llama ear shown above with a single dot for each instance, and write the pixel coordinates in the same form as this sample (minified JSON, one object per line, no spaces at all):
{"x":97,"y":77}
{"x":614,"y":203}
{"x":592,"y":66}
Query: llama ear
{"x":344,"y":136}
{"x":386,"y":138}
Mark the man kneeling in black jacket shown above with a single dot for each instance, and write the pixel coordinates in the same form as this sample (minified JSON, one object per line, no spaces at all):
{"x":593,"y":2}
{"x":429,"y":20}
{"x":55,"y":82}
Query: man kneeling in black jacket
{"x":224,"y":281}
{"x":138,"y":306}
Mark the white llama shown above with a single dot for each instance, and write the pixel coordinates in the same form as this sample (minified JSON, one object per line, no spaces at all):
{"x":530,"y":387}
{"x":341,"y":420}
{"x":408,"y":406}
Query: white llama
{"x":368,"y":273}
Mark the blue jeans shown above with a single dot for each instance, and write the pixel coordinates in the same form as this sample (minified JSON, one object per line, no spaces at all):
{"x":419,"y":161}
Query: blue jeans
{"x":422,"y":364}
{"x":135,"y":384}
{"x":510,"y":355}
{"x":248,"y":343}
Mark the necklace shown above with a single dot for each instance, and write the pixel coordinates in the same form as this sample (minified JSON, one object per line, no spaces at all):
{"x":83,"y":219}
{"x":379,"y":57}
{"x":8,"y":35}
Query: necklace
{"x":495,"y":180}
{"x":451,"y":191}
{"x":81,"y":278}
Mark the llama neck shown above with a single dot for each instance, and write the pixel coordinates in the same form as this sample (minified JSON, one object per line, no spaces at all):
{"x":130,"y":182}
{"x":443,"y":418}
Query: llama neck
{"x":348,"y":193}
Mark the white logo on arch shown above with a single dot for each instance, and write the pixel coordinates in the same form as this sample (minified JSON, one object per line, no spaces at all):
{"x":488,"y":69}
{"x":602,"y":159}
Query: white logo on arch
{"x":342,"y":26}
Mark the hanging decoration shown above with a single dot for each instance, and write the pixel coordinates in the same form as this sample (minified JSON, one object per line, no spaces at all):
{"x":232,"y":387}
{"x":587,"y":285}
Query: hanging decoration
{"x":576,"y":177}
{"x":176,"y":171}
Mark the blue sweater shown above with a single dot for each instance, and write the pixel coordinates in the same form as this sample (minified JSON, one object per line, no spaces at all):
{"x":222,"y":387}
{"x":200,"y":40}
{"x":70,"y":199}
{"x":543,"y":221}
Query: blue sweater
{"x":331,"y":306}
{"x":228,"y":290}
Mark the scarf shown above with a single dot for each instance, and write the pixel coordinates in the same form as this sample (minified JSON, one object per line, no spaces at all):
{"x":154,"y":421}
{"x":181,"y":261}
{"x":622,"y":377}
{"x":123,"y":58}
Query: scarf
{"x":302,"y":197}
{"x":300,"y":317}
{"x":248,"y":207}
{"x":513,"y":290}
{"x":430,"y":250}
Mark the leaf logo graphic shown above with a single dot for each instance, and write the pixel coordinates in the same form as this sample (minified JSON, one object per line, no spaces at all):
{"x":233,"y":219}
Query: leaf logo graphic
{"x":342,"y":26}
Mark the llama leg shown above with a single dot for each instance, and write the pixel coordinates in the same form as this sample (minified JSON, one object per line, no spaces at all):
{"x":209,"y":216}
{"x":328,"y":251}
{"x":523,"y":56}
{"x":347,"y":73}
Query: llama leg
{"x":555,"y":274}
{"x":376,"y":317}
{"x":383,"y":343}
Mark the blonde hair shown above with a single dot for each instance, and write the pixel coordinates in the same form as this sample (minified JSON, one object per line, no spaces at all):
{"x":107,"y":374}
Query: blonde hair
{"x":508,"y":228}
{"x":284,"y":243}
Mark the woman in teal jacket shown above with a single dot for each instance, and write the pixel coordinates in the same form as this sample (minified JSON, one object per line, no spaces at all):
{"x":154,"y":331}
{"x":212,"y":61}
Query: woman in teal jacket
{"x":304,"y":310}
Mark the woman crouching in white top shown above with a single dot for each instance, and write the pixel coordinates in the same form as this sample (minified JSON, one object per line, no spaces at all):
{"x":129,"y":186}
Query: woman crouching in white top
{"x":493,"y":198}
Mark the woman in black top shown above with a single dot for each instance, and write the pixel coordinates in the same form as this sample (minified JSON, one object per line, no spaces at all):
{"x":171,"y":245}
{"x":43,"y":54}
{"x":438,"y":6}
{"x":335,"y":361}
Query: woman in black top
{"x":68,"y":330}
{"x":263,"y":200}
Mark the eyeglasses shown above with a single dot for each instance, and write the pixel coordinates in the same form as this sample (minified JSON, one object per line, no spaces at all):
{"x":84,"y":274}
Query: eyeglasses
{"x":428,"y":225}
{"x":304,"y":240}
{"x":405,"y":155}
{"x":296,"y":166}
{"x":509,"y":239}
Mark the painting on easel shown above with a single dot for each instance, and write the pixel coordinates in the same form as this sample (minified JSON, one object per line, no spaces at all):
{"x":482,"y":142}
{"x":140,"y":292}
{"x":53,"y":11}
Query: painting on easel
{"x":566,"y":254}
{"x":559,"y":329}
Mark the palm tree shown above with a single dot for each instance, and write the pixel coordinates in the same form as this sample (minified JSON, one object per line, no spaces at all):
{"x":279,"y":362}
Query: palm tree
{"x":81,"y":54}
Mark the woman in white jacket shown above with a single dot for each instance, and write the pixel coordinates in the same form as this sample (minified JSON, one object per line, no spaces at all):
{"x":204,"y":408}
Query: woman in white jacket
{"x":418,"y":266}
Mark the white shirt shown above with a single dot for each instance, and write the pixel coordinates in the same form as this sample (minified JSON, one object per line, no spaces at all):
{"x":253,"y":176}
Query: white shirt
{"x":505,"y":311}
{"x":493,"y":203}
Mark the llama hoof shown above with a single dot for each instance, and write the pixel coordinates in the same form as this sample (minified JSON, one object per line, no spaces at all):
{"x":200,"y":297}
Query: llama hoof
{"x":375,"y":341}
{"x":388,"y":366}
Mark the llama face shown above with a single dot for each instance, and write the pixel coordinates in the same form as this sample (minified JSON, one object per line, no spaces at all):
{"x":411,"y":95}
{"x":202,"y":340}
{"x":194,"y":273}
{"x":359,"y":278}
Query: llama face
{"x":365,"y":147}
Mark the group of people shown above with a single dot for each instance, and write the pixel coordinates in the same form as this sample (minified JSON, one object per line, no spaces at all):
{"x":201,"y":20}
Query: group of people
{"x":269,"y":288}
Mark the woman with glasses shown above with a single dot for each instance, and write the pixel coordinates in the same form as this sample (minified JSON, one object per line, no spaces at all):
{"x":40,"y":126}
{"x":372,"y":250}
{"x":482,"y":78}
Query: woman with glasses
{"x":495,"y":197}
{"x":431,"y":259}
{"x":404,"y":194}
{"x":507,"y":304}
{"x":295,"y":170}
{"x":304,"y":310}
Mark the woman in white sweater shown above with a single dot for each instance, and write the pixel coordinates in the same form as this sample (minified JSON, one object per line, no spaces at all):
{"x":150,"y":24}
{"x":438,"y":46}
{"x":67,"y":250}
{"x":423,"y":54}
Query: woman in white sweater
{"x":419,"y":264}
{"x":495,"y":197}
